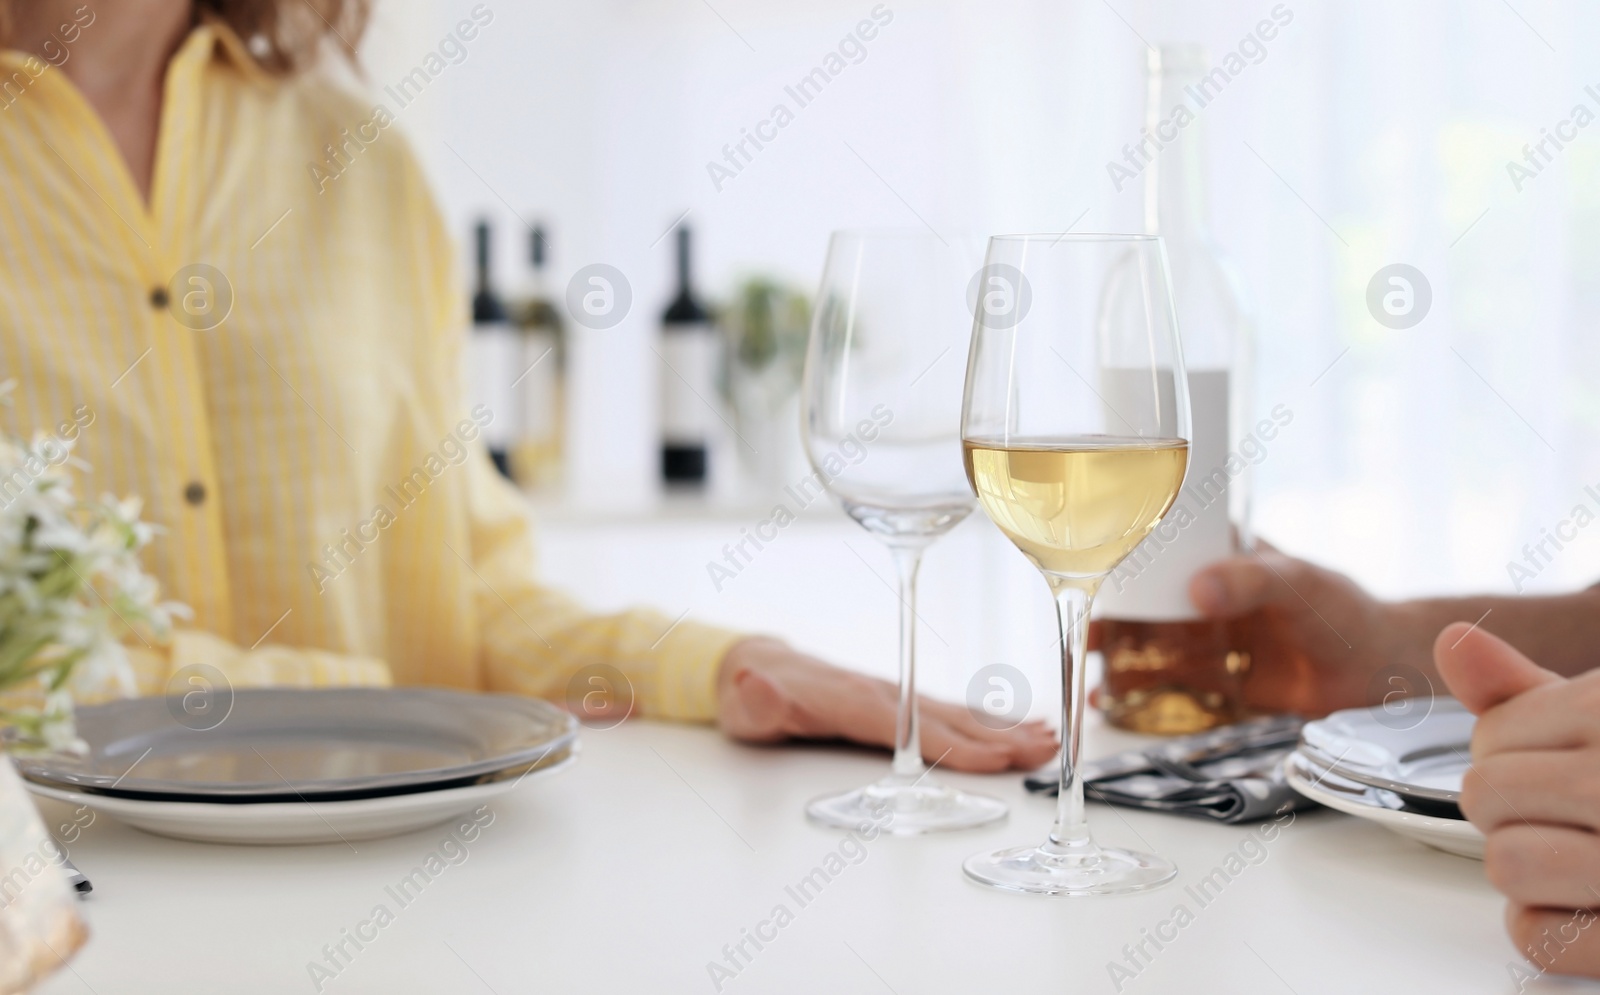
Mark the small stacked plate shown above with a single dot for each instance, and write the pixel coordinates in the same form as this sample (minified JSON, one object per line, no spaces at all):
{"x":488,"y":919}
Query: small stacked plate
{"x":304,"y":766}
{"x":1399,"y":768}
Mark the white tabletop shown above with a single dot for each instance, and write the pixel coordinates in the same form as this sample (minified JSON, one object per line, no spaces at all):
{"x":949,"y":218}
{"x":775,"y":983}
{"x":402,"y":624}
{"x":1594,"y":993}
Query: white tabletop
{"x":631,"y":871}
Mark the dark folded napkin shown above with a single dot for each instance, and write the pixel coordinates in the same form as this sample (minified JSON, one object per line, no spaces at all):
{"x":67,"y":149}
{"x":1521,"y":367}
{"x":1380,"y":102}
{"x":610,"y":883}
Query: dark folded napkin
{"x":1230,"y":774}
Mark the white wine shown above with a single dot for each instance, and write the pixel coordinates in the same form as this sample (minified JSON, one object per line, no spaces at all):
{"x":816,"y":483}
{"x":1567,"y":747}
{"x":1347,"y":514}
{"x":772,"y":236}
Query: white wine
{"x":1076,"y":506}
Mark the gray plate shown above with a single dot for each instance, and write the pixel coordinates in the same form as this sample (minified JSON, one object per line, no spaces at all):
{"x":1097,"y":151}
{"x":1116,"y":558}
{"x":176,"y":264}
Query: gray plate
{"x":340,"y":742}
{"x":1420,"y":756}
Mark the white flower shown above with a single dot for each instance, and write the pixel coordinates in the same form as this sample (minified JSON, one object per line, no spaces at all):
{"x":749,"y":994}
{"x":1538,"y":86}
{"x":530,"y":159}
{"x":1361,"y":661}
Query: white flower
{"x":59,"y":732}
{"x":71,"y":587}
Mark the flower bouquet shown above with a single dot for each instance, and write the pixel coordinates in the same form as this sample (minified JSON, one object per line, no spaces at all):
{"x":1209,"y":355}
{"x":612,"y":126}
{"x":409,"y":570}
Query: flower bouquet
{"x":71,"y":590}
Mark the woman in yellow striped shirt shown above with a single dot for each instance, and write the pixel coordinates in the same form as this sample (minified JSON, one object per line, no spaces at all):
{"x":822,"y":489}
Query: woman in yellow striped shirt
{"x":268,"y":361}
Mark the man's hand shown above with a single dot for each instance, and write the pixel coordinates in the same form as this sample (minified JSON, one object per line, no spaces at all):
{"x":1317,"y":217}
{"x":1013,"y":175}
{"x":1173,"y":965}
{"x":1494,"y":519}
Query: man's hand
{"x":769,"y":692}
{"x":1534,"y":790}
{"x":1315,"y":638}
{"x":1317,"y":641}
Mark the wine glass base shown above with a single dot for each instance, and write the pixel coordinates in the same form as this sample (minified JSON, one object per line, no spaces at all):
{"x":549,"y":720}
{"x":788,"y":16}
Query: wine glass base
{"x":1083,"y":869}
{"x":903,"y":807}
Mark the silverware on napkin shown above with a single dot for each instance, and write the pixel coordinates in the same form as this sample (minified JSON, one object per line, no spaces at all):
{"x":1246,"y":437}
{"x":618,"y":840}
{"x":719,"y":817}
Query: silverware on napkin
{"x":1229,"y":774}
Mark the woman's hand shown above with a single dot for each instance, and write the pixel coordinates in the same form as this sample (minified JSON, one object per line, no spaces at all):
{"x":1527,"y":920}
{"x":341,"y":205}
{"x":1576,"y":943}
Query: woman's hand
{"x":1534,"y":790}
{"x":769,"y":692}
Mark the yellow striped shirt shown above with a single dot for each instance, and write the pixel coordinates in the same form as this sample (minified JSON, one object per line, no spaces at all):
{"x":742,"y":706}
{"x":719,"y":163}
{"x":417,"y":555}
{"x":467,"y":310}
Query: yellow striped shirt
{"x":325,"y":498}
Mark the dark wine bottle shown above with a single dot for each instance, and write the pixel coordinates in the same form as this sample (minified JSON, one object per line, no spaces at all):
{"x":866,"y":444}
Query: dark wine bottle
{"x":492,"y":354}
{"x":688,"y":381}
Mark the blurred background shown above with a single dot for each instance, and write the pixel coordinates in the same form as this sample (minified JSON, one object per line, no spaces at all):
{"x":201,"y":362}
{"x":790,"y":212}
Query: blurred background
{"x":1363,"y":134}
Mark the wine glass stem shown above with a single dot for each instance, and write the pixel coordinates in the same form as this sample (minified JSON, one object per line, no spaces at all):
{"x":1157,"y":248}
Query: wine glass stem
{"x":907,"y":734}
{"x":1072,"y":610}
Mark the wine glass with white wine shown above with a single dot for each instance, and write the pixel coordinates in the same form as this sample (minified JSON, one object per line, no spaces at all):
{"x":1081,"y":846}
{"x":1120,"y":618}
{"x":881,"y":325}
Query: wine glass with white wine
{"x":881,"y":420}
{"x":1075,"y":429}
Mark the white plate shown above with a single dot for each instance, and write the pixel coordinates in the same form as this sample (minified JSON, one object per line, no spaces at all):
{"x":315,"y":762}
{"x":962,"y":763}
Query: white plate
{"x":1450,"y":835}
{"x":296,"y":822}
{"x":288,"y":744}
{"x":1417,"y":754}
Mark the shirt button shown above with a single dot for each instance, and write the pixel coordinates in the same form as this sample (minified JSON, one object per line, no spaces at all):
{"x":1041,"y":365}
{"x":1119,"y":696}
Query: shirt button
{"x":195,"y":492}
{"x":159,"y":298}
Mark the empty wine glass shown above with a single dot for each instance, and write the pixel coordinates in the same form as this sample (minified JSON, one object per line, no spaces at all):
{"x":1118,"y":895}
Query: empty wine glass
{"x":1075,"y":429}
{"x":881,"y":418}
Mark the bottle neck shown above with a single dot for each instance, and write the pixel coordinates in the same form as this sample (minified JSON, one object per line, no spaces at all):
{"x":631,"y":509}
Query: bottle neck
{"x":683,"y":263}
{"x":483,"y":259}
{"x":1175,"y":183}
{"x":538,"y":245}
{"x":684,"y":309}
{"x":538,"y":275}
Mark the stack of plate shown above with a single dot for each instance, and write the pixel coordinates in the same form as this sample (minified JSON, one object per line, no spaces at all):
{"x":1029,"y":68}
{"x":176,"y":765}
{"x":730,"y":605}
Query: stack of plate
{"x":1401,"y":770}
{"x":300,"y":766}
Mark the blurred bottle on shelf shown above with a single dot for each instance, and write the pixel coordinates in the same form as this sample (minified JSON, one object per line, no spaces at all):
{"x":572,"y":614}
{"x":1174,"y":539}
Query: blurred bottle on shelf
{"x":492,"y":359}
{"x":537,"y":452}
{"x":689,"y":350}
{"x":1167,"y":670}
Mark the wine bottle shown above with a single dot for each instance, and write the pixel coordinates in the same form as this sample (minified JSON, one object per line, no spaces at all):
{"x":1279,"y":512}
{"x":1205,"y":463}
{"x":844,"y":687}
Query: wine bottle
{"x":688,"y":381}
{"x":536,"y":460}
{"x":492,"y":356}
{"x":1167,"y":669}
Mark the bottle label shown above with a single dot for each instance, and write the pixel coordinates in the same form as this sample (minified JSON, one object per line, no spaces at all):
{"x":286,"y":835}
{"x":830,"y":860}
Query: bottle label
{"x":539,"y":392}
{"x":1152,"y":584}
{"x":688,"y":385}
{"x":492,"y":365}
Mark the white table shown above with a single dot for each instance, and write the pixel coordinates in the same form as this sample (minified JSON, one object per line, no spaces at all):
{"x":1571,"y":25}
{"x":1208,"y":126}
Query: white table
{"x":631,"y":871}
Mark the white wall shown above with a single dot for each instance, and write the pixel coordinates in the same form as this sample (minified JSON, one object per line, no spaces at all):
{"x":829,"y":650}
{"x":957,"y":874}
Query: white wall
{"x":1418,"y":462}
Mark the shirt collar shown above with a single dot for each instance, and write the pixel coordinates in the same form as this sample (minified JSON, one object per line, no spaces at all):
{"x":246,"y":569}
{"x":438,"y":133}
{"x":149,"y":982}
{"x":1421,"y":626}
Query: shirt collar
{"x":211,"y":38}
{"x":214,"y":37}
